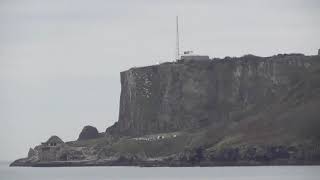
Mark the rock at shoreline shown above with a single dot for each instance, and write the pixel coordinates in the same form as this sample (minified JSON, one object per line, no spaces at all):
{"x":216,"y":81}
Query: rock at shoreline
{"x":88,"y":132}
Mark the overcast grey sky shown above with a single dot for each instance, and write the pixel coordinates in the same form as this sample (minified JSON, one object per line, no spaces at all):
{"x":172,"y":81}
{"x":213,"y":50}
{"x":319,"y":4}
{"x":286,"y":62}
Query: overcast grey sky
{"x":60,"y":59}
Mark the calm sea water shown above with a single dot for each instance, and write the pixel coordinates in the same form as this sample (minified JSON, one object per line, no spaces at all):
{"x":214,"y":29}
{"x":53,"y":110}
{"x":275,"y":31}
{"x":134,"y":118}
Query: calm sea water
{"x":124,"y":173}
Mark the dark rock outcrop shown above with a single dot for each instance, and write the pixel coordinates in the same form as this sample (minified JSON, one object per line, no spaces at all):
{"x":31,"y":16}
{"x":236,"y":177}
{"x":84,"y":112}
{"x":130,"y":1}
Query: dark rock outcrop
{"x":88,"y":132}
{"x":31,"y":153}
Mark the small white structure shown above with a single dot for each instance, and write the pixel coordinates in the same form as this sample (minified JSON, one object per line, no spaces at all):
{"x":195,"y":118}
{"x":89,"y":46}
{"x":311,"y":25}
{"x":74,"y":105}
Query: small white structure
{"x":189,"y":55}
{"x":195,"y":57}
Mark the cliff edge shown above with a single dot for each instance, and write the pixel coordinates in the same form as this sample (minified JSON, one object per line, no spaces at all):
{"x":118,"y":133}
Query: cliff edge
{"x":195,"y":94}
{"x":233,"y":111}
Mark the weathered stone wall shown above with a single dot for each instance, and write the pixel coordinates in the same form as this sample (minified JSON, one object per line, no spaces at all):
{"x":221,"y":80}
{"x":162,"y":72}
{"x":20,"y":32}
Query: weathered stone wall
{"x":193,"y":94}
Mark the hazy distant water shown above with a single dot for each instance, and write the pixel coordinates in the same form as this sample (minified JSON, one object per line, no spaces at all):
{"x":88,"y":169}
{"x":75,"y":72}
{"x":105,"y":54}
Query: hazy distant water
{"x":125,"y":173}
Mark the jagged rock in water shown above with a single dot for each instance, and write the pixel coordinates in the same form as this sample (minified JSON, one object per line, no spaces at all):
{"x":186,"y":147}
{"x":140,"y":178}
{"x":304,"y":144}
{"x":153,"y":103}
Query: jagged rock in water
{"x":88,"y":132}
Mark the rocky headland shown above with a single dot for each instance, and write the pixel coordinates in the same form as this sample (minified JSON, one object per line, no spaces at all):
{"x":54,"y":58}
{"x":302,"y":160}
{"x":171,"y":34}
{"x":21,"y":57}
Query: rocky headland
{"x":245,"y":110}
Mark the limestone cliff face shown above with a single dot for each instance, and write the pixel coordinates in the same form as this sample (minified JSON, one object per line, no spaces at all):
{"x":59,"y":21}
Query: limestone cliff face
{"x":194,"y":94}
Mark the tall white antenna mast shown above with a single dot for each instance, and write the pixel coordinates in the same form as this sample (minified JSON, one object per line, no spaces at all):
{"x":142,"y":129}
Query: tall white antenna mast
{"x":177,"y":40}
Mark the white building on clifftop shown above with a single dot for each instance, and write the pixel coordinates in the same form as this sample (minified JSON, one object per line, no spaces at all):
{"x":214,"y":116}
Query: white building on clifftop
{"x":189,"y":55}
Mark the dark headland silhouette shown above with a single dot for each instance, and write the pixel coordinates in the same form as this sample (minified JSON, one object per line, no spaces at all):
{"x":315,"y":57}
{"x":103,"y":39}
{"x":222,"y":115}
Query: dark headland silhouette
{"x":245,"y":110}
